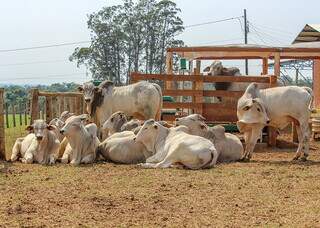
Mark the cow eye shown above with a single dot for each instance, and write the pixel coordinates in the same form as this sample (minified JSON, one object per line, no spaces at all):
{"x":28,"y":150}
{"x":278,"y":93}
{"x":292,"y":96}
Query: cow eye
{"x":258,"y":109}
{"x":246,"y":108}
{"x":193,"y":119}
{"x":145,"y":128}
{"x":111,"y":119}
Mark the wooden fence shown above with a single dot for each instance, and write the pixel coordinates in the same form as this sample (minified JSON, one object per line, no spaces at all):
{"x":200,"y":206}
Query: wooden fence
{"x":213,"y":112}
{"x":55,"y":104}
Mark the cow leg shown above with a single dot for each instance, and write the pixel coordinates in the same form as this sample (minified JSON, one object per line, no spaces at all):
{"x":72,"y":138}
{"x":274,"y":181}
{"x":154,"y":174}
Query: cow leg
{"x":162,"y":164}
{"x":305,"y":140}
{"x":300,"y":145}
{"x":16,"y":149}
{"x":251,"y":139}
{"x":28,"y":158}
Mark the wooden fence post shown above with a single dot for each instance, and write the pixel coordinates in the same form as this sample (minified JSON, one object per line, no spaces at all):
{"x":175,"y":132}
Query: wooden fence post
{"x":48,"y":109}
{"x":2,"y":131}
{"x":34,"y":111}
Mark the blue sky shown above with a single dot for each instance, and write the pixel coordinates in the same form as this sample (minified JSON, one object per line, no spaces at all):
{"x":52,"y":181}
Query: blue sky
{"x":27,"y":23}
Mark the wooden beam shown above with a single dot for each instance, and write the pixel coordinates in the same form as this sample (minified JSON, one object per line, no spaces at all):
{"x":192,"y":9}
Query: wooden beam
{"x":222,"y":93}
{"x":316,"y":83}
{"x":264,"y":66}
{"x":60,"y":94}
{"x":2,"y":131}
{"x":34,"y":110}
{"x":277,"y":64}
{"x":174,"y":105}
{"x":169,"y":70}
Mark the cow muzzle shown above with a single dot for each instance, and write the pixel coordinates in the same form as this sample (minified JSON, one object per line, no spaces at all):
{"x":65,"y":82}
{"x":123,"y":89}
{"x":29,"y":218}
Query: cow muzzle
{"x":87,"y":100}
{"x":62,"y":132}
{"x":39,"y":138}
{"x":135,"y":138}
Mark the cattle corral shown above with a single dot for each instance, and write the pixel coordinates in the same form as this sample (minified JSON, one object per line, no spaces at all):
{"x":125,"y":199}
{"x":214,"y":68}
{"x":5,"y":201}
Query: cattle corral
{"x":271,"y":190}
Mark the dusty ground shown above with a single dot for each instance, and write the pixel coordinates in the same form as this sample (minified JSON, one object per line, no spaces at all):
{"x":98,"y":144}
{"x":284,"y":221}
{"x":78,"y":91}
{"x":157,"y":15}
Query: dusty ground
{"x":269,"y":191}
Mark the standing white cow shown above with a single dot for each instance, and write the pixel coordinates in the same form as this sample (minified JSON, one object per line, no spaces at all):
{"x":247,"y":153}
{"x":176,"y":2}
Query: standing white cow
{"x":83,"y":141}
{"x":229,"y":146}
{"x":40,"y":146}
{"x":172,"y":146}
{"x":142,"y":100}
{"x":276,"y":107}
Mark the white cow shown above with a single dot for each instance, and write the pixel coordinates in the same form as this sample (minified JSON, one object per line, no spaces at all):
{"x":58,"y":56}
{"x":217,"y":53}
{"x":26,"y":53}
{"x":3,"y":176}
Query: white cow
{"x":229,"y":146}
{"x":276,"y":107}
{"x":173,"y":146}
{"x":41,"y":146}
{"x":121,"y":148}
{"x":118,"y":122}
{"x":142,"y":100}
{"x":83,"y":141}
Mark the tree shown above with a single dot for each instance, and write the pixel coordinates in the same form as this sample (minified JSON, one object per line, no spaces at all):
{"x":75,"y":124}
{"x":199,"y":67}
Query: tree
{"x":130,"y":37}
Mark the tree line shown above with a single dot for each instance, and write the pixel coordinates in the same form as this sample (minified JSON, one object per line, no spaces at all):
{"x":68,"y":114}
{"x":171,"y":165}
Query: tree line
{"x":130,"y":37}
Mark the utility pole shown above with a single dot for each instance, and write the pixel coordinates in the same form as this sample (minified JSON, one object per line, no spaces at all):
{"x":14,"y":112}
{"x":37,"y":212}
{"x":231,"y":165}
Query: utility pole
{"x":246,"y":37}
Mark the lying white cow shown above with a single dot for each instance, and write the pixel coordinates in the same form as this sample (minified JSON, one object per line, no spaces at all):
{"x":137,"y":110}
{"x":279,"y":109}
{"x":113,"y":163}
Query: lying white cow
{"x":173,"y":146}
{"x":229,"y":146}
{"x":83,"y":141}
{"x":121,"y":148}
{"x":118,"y":122}
{"x":276,"y":107}
{"x":40,"y":146}
{"x":142,"y":100}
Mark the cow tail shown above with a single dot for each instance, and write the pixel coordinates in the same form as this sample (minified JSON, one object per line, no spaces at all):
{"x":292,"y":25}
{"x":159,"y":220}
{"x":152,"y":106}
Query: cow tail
{"x":309,"y":90}
{"x":158,"y":115}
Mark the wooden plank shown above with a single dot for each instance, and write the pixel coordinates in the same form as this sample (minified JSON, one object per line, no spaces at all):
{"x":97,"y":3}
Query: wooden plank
{"x":61,"y":105}
{"x":65,"y":94}
{"x":198,"y":85}
{"x":55,"y":107}
{"x":264,"y":66}
{"x":78,"y":105}
{"x":169,"y":70}
{"x":277,"y":64}
{"x":34,"y":111}
{"x":222,"y":93}
{"x":2,"y":127}
{"x":180,"y":92}
{"x":194,"y":78}
{"x":316,"y":83}
{"x":258,"y":79}
{"x":174,"y":105}
{"x":72,"y":104}
{"x":49,"y":114}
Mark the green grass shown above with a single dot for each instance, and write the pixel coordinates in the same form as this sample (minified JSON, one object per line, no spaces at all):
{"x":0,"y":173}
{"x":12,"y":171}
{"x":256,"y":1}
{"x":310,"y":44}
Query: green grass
{"x":12,"y":133}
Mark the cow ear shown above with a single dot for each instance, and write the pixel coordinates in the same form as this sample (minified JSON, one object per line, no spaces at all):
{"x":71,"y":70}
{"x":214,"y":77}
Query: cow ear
{"x":29,"y":128}
{"x":80,"y":89}
{"x":83,"y":117}
{"x":201,"y":118}
{"x":51,"y":127}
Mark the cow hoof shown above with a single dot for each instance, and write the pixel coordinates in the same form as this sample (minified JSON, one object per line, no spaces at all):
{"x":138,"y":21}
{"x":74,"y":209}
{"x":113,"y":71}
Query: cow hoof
{"x":244,"y":159}
{"x":303,"y":159}
{"x":295,"y":158}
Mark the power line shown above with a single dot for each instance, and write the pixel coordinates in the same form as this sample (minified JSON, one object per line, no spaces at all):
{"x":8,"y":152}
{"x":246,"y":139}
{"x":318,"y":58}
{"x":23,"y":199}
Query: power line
{"x":212,"y":22}
{"x":31,"y":63}
{"x":54,"y":76}
{"x":219,"y":41}
{"x":44,"y":46}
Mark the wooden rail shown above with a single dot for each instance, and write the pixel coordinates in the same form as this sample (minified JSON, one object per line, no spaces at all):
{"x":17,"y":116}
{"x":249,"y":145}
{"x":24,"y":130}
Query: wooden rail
{"x":56,"y":103}
{"x":2,"y":132}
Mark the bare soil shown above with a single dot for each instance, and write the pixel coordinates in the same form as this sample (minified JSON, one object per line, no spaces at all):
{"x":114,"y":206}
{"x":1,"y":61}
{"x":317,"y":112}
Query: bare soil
{"x":271,"y":191}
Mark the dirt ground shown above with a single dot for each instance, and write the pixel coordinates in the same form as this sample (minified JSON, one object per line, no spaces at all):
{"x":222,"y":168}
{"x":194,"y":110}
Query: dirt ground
{"x":269,"y":191}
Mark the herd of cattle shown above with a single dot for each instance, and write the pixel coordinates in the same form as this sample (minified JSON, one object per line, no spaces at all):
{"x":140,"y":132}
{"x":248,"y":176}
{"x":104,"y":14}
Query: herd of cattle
{"x":151,"y":143}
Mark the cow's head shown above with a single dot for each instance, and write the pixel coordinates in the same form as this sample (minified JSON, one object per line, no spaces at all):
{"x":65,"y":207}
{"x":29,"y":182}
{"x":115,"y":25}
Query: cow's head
{"x":251,"y":111}
{"x":73,"y":124}
{"x":217,"y":133}
{"x":194,"y":122}
{"x":57,"y":122}
{"x":88,"y":89}
{"x":39,"y":128}
{"x":115,"y":122}
{"x":215,"y":68}
{"x":149,"y":133}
